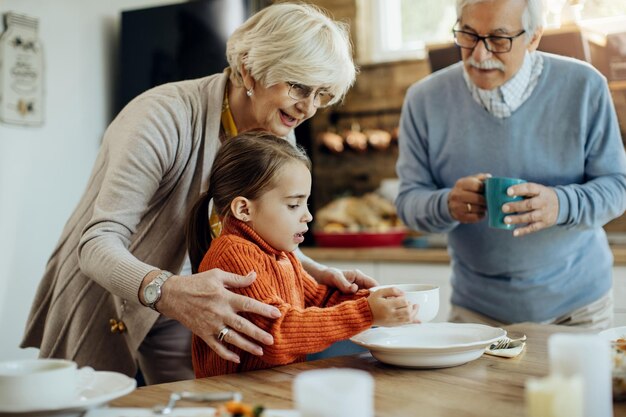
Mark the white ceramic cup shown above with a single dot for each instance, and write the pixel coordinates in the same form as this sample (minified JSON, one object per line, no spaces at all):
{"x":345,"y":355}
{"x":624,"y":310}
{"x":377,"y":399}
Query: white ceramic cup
{"x":34,"y":384}
{"x":424,"y":295}
{"x":334,"y":392}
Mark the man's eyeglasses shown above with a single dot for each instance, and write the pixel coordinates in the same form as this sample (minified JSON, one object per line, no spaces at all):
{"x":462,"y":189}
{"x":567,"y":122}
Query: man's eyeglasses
{"x":493,"y":43}
{"x":301,"y":92}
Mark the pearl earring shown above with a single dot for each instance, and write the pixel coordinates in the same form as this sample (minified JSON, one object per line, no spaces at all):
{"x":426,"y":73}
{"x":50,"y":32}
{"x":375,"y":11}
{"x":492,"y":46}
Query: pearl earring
{"x":249,"y":93}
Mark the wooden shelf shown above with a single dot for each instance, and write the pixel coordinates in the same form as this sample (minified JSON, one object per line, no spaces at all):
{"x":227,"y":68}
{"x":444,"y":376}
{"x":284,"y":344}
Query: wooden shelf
{"x":390,"y":254}
{"x":401,"y":254}
{"x":617,"y":85}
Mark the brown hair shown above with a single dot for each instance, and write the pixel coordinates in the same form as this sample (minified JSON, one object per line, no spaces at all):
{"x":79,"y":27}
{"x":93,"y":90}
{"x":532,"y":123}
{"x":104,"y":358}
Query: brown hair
{"x":247,"y":166}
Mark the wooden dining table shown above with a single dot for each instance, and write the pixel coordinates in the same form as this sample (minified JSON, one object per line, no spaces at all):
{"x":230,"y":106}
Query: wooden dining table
{"x":487,"y":387}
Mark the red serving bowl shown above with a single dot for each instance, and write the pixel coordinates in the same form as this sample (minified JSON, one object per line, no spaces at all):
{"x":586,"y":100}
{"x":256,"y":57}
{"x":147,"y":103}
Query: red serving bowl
{"x":360,"y":239}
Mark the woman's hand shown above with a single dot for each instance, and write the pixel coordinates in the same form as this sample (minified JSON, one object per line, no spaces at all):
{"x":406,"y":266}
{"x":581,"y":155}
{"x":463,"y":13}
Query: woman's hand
{"x":390,"y":308}
{"x":348,"y":281}
{"x":202,"y":304}
{"x":466,"y":201}
{"x":538,"y":210}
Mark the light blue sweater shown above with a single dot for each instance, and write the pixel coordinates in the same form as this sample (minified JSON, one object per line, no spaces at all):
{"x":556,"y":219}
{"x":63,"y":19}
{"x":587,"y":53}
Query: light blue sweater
{"x":566,"y":136}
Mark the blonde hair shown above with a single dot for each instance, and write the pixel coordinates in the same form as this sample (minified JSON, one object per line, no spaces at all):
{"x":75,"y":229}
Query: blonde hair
{"x":297,"y":43}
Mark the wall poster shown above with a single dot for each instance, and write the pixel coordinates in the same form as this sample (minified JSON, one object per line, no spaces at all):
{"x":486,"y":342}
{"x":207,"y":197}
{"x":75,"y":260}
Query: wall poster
{"x":21,"y":72}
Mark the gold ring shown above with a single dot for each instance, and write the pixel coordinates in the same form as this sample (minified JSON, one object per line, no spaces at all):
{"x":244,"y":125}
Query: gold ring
{"x":469,"y":208}
{"x":222,"y":334}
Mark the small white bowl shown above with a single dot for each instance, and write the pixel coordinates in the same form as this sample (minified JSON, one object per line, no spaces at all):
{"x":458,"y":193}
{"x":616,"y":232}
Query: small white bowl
{"x":424,"y":295}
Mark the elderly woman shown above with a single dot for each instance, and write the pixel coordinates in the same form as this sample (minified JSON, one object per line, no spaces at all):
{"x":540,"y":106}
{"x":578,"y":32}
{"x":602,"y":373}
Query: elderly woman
{"x":108,"y":298}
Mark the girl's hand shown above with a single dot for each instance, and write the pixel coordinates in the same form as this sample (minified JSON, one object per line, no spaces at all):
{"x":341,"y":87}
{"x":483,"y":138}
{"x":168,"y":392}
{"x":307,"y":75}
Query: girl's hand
{"x":390,"y":308}
{"x":348,"y":281}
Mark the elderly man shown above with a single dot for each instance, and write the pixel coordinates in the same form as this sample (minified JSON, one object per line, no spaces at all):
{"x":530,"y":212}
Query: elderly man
{"x":508,"y":110}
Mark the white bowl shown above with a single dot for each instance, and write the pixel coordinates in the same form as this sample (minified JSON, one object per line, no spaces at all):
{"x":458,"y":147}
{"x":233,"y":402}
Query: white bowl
{"x":424,"y":295}
{"x":430,"y":345}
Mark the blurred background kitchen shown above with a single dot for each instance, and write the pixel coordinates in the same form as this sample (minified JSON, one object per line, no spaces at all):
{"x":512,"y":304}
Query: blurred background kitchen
{"x":97,"y":56}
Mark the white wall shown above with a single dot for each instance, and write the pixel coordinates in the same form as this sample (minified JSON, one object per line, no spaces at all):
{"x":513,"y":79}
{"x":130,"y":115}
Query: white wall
{"x":43,"y":169}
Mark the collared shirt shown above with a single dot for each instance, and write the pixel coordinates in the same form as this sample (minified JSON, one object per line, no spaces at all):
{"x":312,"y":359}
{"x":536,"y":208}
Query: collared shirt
{"x":504,"y":100}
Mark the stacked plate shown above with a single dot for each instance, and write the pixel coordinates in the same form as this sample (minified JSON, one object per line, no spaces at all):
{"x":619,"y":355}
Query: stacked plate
{"x":429,"y":345}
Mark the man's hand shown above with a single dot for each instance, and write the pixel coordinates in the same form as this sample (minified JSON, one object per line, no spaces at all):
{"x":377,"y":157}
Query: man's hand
{"x":466,"y":201}
{"x":539,"y":210}
{"x":203,"y":304}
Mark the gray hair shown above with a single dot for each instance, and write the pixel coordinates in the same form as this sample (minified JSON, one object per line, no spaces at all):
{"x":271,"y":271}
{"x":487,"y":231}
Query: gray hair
{"x":533,"y":17}
{"x":294,"y":43}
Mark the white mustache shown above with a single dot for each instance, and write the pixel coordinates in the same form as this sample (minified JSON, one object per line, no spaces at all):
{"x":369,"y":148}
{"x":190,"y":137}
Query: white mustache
{"x":486,"y":65}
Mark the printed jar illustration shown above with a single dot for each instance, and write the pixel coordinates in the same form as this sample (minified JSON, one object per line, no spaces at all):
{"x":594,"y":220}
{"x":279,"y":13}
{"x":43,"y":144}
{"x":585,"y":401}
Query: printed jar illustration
{"x":21,"y":71}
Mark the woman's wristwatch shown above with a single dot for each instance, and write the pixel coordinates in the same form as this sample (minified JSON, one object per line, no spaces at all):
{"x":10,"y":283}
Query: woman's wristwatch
{"x":152,"y":291}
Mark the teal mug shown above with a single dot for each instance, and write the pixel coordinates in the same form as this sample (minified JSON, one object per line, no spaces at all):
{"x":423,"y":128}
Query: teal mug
{"x":496,"y":196}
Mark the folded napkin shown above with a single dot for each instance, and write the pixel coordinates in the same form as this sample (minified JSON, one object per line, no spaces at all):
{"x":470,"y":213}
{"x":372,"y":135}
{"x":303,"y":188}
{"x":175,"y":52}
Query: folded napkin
{"x":509,"y":352}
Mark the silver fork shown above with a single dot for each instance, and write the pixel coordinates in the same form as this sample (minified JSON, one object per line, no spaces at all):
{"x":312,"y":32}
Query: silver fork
{"x":506,"y":343}
{"x":195,"y":396}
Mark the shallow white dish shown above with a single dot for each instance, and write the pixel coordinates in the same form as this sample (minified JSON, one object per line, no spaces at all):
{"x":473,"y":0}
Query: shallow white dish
{"x":429,"y":345}
{"x":613,"y":333}
{"x":106,"y":386}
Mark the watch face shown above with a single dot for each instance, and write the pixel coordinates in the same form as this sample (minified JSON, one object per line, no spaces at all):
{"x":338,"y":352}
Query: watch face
{"x":151,"y":293}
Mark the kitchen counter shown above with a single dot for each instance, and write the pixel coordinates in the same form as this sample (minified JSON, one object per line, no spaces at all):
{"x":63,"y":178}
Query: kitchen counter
{"x":401,"y":254}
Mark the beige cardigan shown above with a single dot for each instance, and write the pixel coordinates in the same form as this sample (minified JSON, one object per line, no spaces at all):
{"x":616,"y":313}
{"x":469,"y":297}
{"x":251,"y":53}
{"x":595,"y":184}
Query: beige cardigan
{"x":154,"y":161}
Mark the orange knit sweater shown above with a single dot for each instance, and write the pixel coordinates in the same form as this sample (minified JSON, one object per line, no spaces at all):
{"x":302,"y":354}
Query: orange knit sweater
{"x":313,"y":316}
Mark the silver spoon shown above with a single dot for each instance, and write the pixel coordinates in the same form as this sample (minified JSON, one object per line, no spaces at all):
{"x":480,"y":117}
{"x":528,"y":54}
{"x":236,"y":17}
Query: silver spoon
{"x":195,"y":396}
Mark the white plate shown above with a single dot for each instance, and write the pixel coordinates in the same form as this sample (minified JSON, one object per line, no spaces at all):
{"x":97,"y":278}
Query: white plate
{"x":614,"y":333}
{"x":176,"y":412}
{"x":105,"y":387}
{"x":429,"y":345}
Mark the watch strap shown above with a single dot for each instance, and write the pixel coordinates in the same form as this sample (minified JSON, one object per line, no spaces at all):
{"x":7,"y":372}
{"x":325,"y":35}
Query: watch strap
{"x":159,"y":280}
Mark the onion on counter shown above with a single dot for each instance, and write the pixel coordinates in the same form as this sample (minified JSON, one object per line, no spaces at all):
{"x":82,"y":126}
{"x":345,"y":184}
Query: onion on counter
{"x":378,"y":139}
{"x":332,"y":141}
{"x":356,"y":140}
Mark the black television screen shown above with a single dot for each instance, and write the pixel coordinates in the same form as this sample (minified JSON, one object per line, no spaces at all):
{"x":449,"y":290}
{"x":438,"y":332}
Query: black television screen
{"x":175,"y":42}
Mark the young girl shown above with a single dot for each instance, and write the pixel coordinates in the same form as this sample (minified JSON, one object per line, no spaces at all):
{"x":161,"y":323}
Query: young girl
{"x":260,"y":184}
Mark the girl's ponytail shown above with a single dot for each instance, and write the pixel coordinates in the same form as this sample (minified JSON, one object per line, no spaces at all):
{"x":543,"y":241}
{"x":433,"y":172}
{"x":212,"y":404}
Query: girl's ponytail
{"x":198,"y":230}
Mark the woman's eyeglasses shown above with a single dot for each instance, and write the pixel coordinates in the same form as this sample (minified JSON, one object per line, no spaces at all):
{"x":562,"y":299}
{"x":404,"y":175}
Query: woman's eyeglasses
{"x":493,"y":43}
{"x":301,"y":92}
